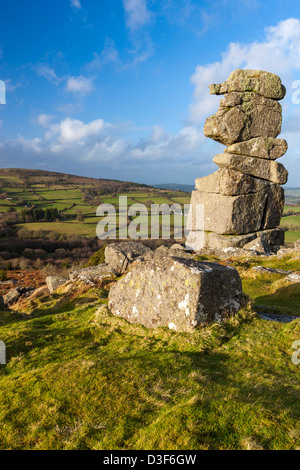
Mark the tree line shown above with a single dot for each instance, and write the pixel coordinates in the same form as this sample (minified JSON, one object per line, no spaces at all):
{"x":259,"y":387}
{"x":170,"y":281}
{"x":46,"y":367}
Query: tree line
{"x":38,"y":215}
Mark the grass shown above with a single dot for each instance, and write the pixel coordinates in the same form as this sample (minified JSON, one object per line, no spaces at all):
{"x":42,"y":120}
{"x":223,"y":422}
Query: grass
{"x":65,"y":228}
{"x":291,"y":220}
{"x":294,"y":209}
{"x":271,"y":290}
{"x":82,"y":379}
{"x":291,"y":237}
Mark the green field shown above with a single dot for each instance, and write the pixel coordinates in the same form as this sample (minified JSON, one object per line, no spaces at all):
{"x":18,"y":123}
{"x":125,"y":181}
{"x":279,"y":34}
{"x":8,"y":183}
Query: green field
{"x":69,"y":199}
{"x":291,"y":237}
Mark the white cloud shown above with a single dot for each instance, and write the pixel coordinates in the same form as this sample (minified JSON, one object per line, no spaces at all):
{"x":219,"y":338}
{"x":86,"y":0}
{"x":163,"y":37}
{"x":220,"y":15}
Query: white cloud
{"x":76,"y":4}
{"x":137,"y":14}
{"x":73,"y":130}
{"x":108,"y":55}
{"x":49,"y":73}
{"x":80,"y":85}
{"x":44,"y":120}
{"x":278,"y":53}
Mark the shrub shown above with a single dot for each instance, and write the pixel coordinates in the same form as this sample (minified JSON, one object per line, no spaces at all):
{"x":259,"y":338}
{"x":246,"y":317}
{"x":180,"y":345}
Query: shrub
{"x":3,"y":276}
{"x":25,"y":233}
{"x":97,"y":258}
{"x":65,"y":264}
{"x":28,"y":253}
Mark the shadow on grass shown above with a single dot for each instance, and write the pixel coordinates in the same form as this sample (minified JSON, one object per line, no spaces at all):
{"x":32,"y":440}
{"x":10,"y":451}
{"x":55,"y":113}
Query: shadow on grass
{"x":285,"y":300}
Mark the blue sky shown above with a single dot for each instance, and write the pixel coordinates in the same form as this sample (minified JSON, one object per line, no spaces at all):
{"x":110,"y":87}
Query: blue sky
{"x":119,"y":88}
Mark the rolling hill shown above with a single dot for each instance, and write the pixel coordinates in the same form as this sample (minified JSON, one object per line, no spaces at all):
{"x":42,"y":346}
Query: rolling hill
{"x":76,"y":198}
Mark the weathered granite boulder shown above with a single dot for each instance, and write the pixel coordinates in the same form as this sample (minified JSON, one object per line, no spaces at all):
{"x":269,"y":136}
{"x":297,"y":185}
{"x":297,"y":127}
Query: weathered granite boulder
{"x":263,"y":83}
{"x":93,"y":274}
{"x":173,"y":251}
{"x":238,"y":214}
{"x":273,"y":237}
{"x":243,"y":116}
{"x":120,"y":255}
{"x":259,"y":167}
{"x":53,"y":282}
{"x":14,"y":294}
{"x":230,"y":183}
{"x":179,"y":293}
{"x":259,"y":245}
{"x":294,"y":277}
{"x":198,"y":240}
{"x":260,"y":147}
{"x":177,"y":246}
{"x":297,"y":245}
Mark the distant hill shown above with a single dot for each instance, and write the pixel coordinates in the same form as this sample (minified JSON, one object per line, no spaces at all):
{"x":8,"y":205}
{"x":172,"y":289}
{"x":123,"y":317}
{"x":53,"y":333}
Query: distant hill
{"x":176,"y":187}
{"x":33,"y":177}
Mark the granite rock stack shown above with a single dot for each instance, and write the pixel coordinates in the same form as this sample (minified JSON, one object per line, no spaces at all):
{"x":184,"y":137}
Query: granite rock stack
{"x":243,"y":200}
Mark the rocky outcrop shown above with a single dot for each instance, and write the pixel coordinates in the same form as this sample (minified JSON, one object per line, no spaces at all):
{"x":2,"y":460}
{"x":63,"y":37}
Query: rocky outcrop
{"x":244,"y":196}
{"x":176,"y":292}
{"x":120,"y":255}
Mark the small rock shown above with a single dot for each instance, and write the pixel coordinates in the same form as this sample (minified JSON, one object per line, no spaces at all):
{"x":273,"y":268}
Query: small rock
{"x":294,"y":277}
{"x":13,"y":295}
{"x":53,"y":282}
{"x":297,"y":245}
{"x":262,"y":269}
{"x":259,"y":245}
{"x":93,"y":274}
{"x":284,"y":251}
{"x":120,"y":255}
{"x":177,"y":246}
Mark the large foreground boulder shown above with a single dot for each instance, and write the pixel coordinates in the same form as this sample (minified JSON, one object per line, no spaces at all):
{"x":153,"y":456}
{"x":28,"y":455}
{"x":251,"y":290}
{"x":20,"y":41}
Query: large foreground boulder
{"x":176,"y":292}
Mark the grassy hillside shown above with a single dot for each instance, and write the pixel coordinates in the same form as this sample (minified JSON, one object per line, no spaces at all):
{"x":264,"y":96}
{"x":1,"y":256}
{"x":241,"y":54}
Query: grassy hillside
{"x":76,"y":198}
{"x":79,"y":378}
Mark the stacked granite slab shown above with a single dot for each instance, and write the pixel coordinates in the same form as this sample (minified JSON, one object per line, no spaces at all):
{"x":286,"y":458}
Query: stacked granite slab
{"x":243,"y":200}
